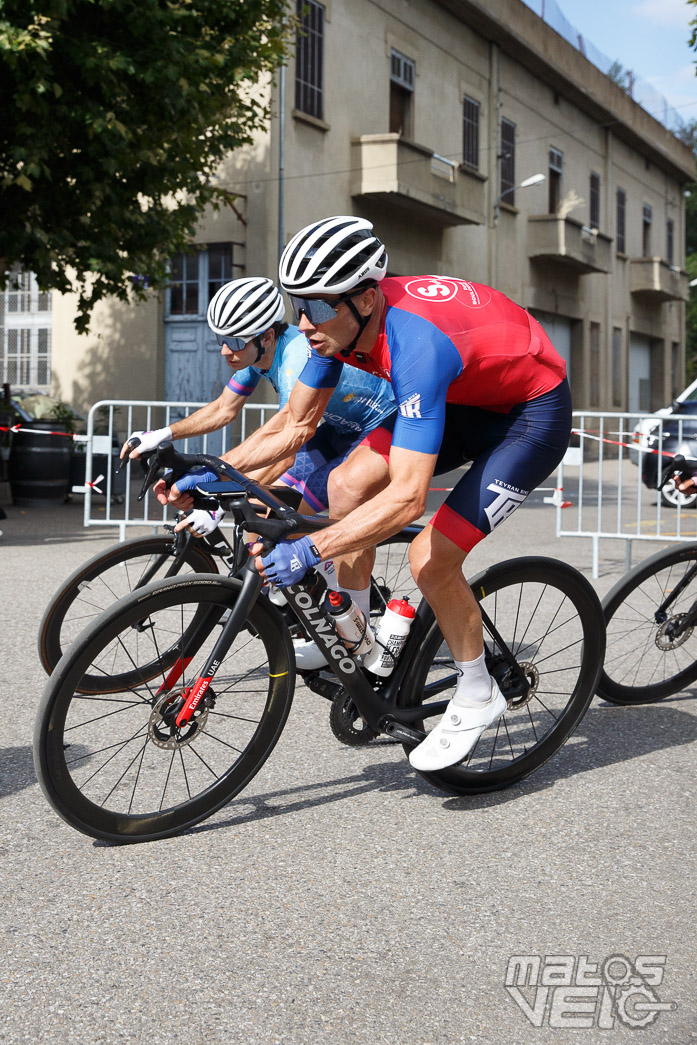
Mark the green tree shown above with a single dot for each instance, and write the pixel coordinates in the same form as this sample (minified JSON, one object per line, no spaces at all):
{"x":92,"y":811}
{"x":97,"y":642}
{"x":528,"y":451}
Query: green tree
{"x":115,"y":117}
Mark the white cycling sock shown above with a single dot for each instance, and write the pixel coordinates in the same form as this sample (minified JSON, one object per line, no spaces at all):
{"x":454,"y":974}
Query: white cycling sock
{"x":361,"y":596}
{"x":474,"y":685}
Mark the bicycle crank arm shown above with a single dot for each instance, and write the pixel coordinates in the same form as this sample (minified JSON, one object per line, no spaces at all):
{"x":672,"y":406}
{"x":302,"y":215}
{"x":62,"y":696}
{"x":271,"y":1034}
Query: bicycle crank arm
{"x":405,"y":734}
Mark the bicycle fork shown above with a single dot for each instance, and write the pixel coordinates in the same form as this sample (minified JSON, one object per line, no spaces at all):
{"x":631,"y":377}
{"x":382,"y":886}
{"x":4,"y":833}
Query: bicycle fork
{"x":193,"y":695}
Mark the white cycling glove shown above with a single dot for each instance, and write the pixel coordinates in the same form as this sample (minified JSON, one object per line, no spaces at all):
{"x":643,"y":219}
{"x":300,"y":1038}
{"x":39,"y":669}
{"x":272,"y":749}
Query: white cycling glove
{"x":203,"y":522}
{"x":148,"y":441}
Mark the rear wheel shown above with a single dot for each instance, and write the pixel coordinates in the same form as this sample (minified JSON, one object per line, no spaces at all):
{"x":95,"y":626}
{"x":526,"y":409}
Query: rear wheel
{"x":105,"y":579}
{"x":651,"y":647}
{"x":113,"y":764}
{"x":391,"y":576}
{"x":549,"y":617}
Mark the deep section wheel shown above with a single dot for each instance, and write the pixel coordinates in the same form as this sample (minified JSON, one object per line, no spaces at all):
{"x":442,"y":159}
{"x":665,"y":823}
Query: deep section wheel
{"x":651,"y":640}
{"x":114,"y":765}
{"x":549,"y":617}
{"x":105,"y":579}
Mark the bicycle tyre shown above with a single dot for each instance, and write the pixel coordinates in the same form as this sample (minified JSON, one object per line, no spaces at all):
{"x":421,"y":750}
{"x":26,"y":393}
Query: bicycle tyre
{"x":550,"y":617}
{"x":111,"y":575}
{"x":253,"y":690}
{"x":642,"y":663}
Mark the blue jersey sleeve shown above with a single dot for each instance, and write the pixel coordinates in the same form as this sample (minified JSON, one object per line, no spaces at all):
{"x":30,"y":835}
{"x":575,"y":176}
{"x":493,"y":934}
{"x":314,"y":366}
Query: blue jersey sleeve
{"x":321,"y":372}
{"x":244,"y":381}
{"x":424,"y":363}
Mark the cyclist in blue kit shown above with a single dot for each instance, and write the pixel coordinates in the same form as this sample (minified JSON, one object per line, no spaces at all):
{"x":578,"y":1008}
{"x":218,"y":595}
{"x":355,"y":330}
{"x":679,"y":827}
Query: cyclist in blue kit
{"x":246,"y":315}
{"x":475,"y":378}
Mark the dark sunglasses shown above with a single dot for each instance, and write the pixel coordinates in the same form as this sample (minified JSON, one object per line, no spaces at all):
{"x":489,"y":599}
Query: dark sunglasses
{"x":318,"y":310}
{"x":235,"y":344}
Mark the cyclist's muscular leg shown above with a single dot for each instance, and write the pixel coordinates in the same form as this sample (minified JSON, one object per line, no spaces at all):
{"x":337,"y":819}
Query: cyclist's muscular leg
{"x":361,"y":476}
{"x":436,"y":564}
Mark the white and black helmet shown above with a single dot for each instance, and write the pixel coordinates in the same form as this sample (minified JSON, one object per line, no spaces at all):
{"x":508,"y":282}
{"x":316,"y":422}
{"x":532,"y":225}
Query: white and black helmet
{"x":245,"y":308}
{"x":332,"y":256}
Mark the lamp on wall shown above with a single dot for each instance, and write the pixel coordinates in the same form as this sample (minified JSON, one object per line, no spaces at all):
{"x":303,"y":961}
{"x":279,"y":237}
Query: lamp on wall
{"x":534,"y":179}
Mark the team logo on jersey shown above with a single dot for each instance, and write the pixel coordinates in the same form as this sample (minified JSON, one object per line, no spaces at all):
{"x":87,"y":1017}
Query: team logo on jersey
{"x":503,"y":505}
{"x":437,"y":288}
{"x":432,"y":288}
{"x":349,"y":397}
{"x":411,"y":407}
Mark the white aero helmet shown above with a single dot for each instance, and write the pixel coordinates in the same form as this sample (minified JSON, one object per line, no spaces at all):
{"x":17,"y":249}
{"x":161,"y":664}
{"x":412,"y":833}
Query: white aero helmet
{"x":332,"y":256}
{"x":245,"y":307}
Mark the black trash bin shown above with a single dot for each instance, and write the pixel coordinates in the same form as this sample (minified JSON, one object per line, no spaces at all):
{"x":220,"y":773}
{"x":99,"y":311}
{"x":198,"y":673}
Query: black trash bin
{"x":39,"y":464}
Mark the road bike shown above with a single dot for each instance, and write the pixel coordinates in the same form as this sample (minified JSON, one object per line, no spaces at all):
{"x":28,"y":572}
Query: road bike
{"x":211,"y":677}
{"x":650,"y":617}
{"x":131,"y":565}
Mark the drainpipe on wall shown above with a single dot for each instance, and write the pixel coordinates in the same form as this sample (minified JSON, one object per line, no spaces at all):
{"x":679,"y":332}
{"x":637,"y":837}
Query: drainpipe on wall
{"x":281,"y":158}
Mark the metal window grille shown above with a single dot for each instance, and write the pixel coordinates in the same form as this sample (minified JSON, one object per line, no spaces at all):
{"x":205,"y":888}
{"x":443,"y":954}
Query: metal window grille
{"x":670,"y":241}
{"x":595,"y":200}
{"x":621,"y":237}
{"x":595,"y":364}
{"x":617,"y":366}
{"x":556,"y":162}
{"x":309,"y":59}
{"x":470,"y":137}
{"x":402,"y":70}
{"x":220,"y":265}
{"x":183,"y":282}
{"x":507,"y":160}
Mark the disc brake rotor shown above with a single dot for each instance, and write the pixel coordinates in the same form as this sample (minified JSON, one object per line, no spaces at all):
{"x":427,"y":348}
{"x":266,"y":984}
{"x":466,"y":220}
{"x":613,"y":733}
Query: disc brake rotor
{"x":161,"y":727}
{"x":671,"y":634}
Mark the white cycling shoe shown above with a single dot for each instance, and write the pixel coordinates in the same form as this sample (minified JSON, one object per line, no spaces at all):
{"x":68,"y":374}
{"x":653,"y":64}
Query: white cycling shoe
{"x":308,"y":656}
{"x":457,"y":732}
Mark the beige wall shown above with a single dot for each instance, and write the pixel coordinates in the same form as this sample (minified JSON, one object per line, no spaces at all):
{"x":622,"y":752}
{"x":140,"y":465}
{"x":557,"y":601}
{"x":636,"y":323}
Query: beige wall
{"x":501,"y":54}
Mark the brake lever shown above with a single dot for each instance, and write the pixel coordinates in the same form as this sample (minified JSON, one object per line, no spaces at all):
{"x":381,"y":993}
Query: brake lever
{"x":679,"y":469}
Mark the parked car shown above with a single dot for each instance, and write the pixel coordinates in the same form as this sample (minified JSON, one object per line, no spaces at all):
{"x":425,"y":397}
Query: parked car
{"x":672,"y":432}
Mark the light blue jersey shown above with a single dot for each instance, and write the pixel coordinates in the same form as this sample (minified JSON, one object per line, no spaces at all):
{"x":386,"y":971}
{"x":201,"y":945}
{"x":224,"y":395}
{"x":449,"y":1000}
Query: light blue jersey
{"x":361,"y":401}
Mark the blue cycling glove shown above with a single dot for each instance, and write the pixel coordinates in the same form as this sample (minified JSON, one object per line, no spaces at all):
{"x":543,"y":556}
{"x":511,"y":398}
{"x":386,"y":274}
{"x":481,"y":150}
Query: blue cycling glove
{"x":193,"y":479}
{"x":289,"y":561}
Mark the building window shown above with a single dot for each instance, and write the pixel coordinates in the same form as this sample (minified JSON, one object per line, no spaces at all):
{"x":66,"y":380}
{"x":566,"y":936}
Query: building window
{"x":309,"y":58}
{"x":25,"y":332}
{"x":219,"y":266}
{"x":556,"y":158}
{"x":595,"y":200}
{"x":670,"y":241}
{"x":183,"y":284}
{"x":402,"y":76}
{"x":676,"y":378}
{"x":470,"y":140}
{"x":647,"y":218}
{"x":595,"y":364}
{"x":617,"y":366}
{"x":621,"y":237}
{"x":507,"y":161}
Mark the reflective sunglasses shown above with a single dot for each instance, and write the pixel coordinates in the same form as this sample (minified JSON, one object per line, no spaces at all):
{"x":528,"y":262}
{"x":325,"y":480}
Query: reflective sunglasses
{"x":318,"y":310}
{"x":235,"y":344}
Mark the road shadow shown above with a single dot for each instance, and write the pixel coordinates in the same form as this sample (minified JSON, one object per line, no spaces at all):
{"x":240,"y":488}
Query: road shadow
{"x":606,"y":736}
{"x":16,"y":770}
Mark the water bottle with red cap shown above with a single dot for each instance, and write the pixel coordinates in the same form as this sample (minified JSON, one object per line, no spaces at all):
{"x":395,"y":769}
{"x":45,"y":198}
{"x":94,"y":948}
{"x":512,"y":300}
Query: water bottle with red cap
{"x":390,"y":637}
{"x":350,"y":622}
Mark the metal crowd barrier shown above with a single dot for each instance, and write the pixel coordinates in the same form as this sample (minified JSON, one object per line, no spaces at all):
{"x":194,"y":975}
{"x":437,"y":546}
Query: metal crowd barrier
{"x":111,"y":496}
{"x":602,"y":487}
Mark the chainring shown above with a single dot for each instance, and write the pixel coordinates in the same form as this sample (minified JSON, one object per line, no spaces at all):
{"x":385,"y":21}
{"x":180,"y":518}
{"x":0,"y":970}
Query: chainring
{"x":346,"y":723}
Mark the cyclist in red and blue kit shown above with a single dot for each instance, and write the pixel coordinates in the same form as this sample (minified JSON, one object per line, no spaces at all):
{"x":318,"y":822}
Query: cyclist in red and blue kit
{"x":475,"y":379}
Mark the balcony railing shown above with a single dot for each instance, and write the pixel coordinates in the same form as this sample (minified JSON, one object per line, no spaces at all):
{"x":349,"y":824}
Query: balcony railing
{"x":568,"y":242}
{"x":387,"y":168}
{"x":655,"y":280}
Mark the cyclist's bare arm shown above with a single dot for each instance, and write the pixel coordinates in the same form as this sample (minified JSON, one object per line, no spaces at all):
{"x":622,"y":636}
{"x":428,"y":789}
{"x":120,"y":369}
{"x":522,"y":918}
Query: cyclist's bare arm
{"x":208,"y":418}
{"x":401,"y":502}
{"x":283,"y":434}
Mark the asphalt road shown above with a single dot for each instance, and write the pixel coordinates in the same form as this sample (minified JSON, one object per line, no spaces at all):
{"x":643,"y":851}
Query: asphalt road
{"x":340,"y":899}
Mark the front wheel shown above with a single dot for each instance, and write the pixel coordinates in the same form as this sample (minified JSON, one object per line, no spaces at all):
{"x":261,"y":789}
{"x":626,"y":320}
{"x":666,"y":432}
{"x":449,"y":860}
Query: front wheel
{"x":112,"y":763}
{"x":549,"y":617}
{"x":106,"y":578}
{"x":651,"y":644}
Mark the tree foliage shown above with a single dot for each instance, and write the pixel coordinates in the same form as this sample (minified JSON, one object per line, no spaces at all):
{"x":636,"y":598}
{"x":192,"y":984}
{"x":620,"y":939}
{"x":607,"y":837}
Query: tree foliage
{"x":116,"y":115}
{"x":687,"y":133}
